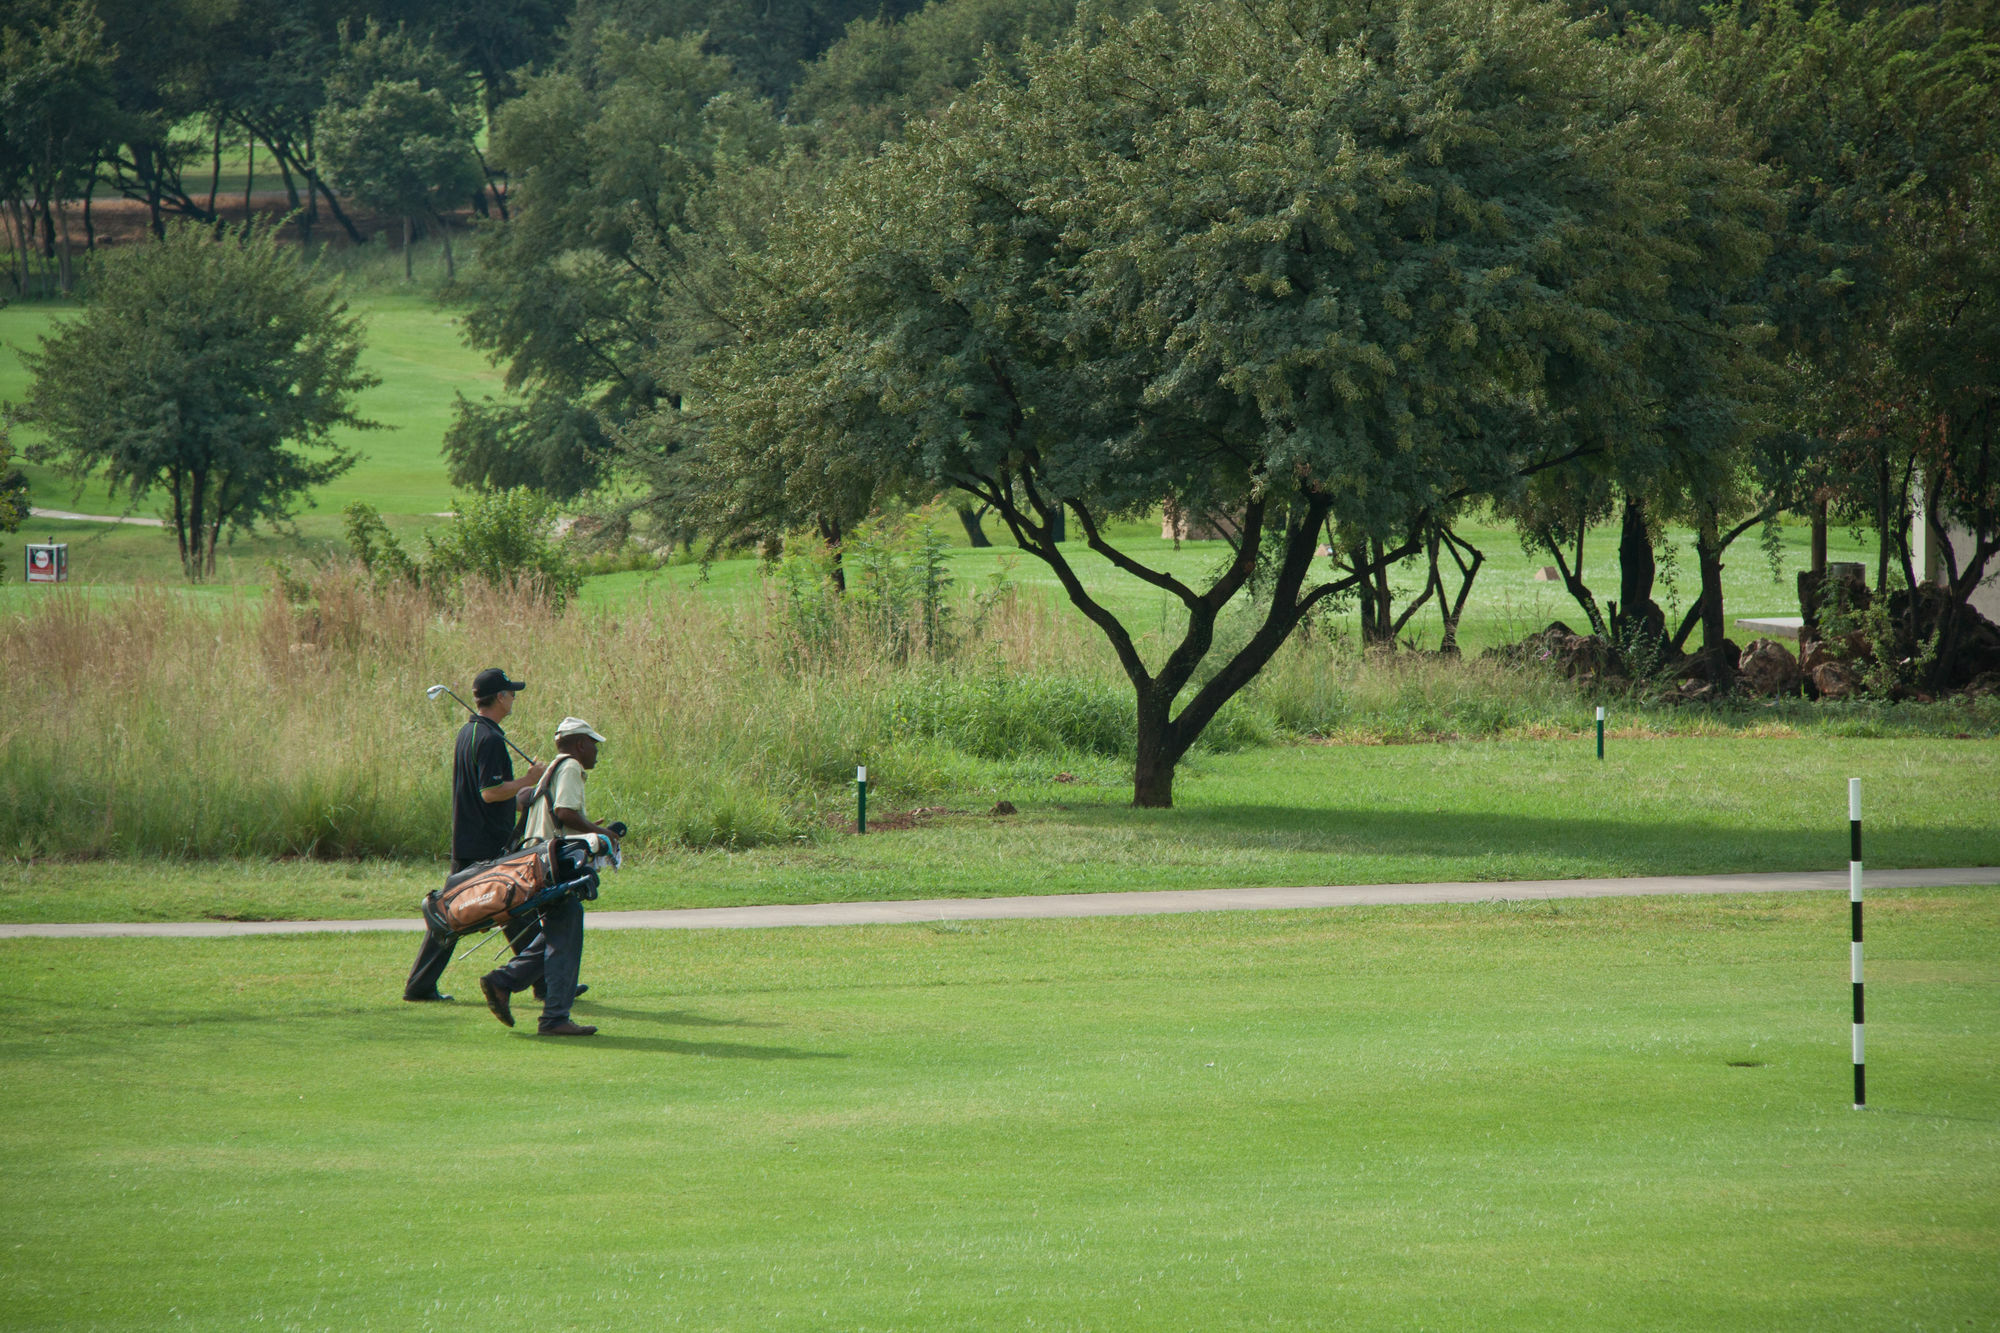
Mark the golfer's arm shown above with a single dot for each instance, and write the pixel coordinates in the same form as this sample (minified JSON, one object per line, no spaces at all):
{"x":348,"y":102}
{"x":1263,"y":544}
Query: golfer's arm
{"x":505,"y":790}
{"x":581,"y":822}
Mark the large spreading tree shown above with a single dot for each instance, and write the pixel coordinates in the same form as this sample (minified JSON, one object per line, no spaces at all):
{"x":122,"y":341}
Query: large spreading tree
{"x":213,"y":368}
{"x":1329,"y":268}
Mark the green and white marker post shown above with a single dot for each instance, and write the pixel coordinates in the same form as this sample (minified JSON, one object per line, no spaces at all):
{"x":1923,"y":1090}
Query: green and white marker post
{"x":1600,"y":731}
{"x":861,"y":798}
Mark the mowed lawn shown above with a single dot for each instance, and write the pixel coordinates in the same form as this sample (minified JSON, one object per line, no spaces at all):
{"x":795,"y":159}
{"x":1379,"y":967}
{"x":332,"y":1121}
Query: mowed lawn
{"x":1279,"y":815}
{"x":1619,"y":1114}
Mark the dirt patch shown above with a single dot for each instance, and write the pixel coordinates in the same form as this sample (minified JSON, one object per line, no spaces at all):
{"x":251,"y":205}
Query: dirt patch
{"x":895,"y":821}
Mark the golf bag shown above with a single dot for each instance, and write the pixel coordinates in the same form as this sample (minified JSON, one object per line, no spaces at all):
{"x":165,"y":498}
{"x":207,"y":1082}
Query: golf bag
{"x":513,"y":887}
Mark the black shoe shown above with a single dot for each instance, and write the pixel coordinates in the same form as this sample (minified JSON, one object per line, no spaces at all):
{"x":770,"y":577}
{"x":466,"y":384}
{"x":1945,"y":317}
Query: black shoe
{"x":497,"y":1000}
{"x":435,"y":997}
{"x":581,"y":989}
{"x":566,"y":1028}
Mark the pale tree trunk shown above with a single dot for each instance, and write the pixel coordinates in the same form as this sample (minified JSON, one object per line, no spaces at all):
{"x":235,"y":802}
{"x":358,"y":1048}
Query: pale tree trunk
{"x":444,"y":235}
{"x":408,"y":275}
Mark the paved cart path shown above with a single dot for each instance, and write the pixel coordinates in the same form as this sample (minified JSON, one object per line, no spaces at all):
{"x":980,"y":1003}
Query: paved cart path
{"x":1080,"y":904}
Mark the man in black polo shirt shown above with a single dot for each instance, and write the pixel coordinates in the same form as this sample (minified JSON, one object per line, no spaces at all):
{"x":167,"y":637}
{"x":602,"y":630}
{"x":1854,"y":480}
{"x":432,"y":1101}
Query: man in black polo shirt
{"x":483,"y":788}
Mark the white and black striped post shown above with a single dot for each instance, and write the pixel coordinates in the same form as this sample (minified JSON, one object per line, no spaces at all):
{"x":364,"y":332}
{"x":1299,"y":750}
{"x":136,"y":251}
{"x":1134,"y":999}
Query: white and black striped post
{"x":861,"y":798}
{"x":1854,"y":905}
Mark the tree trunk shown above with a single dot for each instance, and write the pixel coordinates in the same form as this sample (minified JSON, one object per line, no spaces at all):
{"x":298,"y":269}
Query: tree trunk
{"x":1708,"y":559}
{"x":1819,"y":535}
{"x":408,"y":276}
{"x":1637,"y":622}
{"x":1153,"y":775}
{"x":291,"y":188}
{"x":354,"y":235}
{"x":830,"y":533}
{"x":17,"y":217}
{"x":63,"y":247}
{"x":444,"y":235}
{"x":249,"y":172}
{"x":1882,"y":528}
{"x":1453,"y":610}
{"x":191,"y":528}
{"x":214,"y":168}
{"x":974,"y":532}
{"x":89,"y":227}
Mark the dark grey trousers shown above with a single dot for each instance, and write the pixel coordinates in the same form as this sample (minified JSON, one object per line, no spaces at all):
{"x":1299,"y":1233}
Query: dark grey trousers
{"x":434,"y":954}
{"x":552,"y":957}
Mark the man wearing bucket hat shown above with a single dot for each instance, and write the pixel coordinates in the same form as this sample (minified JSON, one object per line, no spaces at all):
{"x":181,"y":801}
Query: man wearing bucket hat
{"x":483,"y":792}
{"x":551,"y":960}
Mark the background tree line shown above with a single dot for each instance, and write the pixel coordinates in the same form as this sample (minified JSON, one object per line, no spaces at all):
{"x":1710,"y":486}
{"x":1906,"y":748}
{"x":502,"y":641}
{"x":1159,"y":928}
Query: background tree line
{"x":1325,"y":274}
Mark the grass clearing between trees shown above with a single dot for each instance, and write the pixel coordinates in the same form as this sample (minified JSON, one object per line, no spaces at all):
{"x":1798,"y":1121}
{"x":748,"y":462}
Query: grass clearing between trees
{"x":415,"y":347}
{"x":1582,"y":1115}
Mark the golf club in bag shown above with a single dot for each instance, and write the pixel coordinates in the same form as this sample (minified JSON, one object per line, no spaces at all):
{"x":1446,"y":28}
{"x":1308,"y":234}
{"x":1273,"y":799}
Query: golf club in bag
{"x":518,"y":886}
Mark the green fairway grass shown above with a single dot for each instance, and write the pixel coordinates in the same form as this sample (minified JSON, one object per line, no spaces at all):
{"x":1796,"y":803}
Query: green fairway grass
{"x":1614,"y":1114}
{"x":415,"y":348}
{"x":1290,"y":815}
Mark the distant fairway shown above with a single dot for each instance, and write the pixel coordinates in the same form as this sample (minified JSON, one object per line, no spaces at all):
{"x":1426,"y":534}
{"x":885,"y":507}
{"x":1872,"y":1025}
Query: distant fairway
{"x":415,"y":348}
{"x":412,"y":346}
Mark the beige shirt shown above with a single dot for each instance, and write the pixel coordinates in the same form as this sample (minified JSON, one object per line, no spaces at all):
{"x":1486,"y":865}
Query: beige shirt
{"x":565,"y":792}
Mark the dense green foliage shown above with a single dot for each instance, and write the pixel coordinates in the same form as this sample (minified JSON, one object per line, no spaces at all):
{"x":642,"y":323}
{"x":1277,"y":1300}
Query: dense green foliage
{"x":1885,"y":131}
{"x":1226,"y":261}
{"x":398,"y":130}
{"x":213,"y":368}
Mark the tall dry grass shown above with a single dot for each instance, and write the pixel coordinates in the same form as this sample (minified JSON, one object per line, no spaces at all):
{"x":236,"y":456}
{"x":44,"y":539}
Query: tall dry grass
{"x":153,"y":724}
{"x":156,"y":724}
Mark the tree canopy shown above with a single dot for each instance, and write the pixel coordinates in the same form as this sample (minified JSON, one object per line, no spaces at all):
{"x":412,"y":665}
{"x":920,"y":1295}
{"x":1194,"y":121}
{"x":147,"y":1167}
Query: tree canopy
{"x":1327,"y":268}
{"x":215,"y":369}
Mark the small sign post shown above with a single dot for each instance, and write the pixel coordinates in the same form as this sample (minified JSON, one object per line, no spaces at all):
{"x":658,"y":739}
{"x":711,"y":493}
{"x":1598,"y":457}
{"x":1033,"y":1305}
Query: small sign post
{"x":48,"y":562}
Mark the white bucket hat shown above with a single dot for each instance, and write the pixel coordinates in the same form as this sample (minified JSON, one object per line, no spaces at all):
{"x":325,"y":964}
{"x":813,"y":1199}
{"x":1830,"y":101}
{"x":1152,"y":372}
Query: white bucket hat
{"x":576,"y":726}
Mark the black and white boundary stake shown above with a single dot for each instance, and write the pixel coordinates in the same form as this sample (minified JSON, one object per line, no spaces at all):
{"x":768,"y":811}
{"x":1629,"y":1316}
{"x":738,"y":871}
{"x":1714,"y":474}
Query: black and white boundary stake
{"x":860,"y":798}
{"x":1854,"y":904}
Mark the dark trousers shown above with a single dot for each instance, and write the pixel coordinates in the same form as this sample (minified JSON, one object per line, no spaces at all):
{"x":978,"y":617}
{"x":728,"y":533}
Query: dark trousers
{"x":552,"y":958}
{"x":434,"y":954}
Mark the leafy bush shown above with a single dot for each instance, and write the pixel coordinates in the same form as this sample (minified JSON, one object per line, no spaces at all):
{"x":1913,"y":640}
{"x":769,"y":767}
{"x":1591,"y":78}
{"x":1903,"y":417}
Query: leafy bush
{"x":898,"y":602}
{"x":504,"y":539}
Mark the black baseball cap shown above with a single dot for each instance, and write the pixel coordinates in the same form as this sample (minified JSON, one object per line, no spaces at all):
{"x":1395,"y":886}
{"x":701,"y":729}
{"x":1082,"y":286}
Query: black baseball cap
{"x":493,"y":680}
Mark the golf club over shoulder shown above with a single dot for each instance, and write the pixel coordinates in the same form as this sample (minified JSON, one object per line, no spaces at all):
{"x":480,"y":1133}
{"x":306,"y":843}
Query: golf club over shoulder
{"x":434,"y":691}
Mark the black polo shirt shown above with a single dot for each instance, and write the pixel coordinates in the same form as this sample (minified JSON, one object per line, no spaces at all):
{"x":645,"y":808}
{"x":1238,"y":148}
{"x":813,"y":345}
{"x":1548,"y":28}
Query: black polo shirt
{"x":480,"y":829}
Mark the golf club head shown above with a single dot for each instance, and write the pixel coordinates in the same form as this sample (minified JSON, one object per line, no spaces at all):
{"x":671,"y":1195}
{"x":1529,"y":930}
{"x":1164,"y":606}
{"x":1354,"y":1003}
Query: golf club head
{"x":433,"y":692}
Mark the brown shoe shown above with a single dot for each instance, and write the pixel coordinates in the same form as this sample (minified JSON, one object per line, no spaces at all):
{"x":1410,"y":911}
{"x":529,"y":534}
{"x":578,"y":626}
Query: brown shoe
{"x":566,"y":1028}
{"x":497,"y":1000}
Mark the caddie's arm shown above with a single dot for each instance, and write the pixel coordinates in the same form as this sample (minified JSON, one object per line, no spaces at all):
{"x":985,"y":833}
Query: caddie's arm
{"x":505,"y":791}
{"x":582,"y":823}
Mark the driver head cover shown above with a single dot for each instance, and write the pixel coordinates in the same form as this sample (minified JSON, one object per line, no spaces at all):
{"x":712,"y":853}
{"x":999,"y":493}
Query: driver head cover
{"x":576,"y":726}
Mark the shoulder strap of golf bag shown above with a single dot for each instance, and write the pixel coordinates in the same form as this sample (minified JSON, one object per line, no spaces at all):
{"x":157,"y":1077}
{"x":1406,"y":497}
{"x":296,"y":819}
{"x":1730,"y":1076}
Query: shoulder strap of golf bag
{"x":544,"y":792}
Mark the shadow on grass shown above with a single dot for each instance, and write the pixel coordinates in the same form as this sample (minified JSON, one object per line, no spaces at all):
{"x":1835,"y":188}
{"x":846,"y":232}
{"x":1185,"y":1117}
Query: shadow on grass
{"x":1664,"y":846}
{"x":672,"y":1017}
{"x":714,"y":1050}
